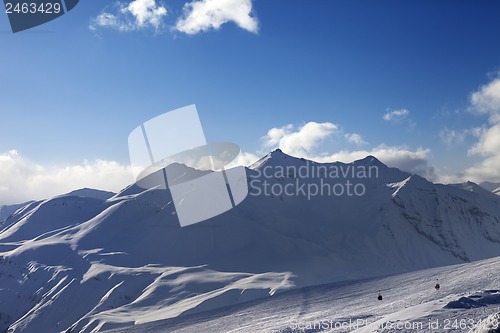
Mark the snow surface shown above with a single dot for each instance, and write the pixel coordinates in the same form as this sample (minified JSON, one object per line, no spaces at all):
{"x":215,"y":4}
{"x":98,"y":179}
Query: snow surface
{"x":90,"y":264}
{"x":492,"y":187}
{"x":7,"y":210}
{"x":489,"y":325}
{"x":409,"y":300}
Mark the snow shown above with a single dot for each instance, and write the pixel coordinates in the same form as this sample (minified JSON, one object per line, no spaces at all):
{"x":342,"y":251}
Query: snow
{"x":7,"y":210}
{"x":489,"y":325}
{"x":489,"y":186}
{"x":492,"y":187}
{"x":409,"y":301}
{"x":88,"y":262}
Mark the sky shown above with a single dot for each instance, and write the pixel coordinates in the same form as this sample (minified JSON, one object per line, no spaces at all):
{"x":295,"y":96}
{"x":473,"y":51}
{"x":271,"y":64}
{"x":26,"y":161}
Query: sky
{"x":415,"y":83}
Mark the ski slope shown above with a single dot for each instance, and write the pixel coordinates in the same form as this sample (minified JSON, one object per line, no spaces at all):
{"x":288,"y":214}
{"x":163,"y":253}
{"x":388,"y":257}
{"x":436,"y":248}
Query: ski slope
{"x":410,"y":304}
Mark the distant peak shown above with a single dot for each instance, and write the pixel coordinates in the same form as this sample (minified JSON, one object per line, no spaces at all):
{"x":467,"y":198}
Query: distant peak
{"x":278,"y":154}
{"x":473,"y":187}
{"x":91,"y":193}
{"x":276,"y":157}
{"x":490,"y":186}
{"x":416,"y":180}
{"x":370,"y":159}
{"x":277,"y":151}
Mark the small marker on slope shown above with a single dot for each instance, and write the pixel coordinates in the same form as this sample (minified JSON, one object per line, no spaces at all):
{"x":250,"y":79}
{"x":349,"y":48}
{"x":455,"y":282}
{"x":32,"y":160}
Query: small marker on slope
{"x":437,"y":286}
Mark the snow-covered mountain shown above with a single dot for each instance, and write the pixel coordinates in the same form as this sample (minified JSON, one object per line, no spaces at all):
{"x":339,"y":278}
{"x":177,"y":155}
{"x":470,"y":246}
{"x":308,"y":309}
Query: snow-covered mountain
{"x":7,"y":210}
{"x":91,"y":193}
{"x":88,"y":264}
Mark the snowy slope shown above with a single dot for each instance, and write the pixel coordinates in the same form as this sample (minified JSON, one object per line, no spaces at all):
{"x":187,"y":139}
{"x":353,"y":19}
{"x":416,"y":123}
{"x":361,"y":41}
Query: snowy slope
{"x":7,"y":210}
{"x":125,"y":260}
{"x":492,"y":187}
{"x":468,"y":296}
{"x":490,"y":324}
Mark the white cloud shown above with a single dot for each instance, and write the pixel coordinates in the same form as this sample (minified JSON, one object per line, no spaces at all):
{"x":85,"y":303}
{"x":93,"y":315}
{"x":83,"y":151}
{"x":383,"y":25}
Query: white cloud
{"x":450,"y":136}
{"x":486,"y":100}
{"x":454,"y":137}
{"x":302,"y":141}
{"x":355,"y":139}
{"x":487,"y":170}
{"x":396,"y":115}
{"x":204,"y":15}
{"x":244,"y":159}
{"x":135,"y":15}
{"x":488,"y":143}
{"x":299,"y":141}
{"x":274,"y":135}
{"x":401,"y":157}
{"x":22,"y":180}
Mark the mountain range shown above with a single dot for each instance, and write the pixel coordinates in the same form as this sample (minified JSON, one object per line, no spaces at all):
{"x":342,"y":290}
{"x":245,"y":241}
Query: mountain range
{"x":89,"y":261}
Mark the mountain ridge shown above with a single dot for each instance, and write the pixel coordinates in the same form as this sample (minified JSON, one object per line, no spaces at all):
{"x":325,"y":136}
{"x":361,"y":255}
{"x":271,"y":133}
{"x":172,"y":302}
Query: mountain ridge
{"x":127,"y":259}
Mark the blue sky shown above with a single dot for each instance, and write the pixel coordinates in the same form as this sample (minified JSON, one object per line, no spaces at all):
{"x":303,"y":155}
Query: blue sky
{"x":334,"y":79}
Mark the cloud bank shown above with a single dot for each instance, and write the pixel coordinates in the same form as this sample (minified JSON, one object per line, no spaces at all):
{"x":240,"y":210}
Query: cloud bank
{"x":486,"y":101}
{"x":22,"y":180}
{"x":303,"y":141}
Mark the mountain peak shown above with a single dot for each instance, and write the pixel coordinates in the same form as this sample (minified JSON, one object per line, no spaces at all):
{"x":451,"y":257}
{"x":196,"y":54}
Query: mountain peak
{"x":299,"y":237}
{"x":277,"y":151}
{"x":91,"y":193}
{"x":371,"y":160}
{"x":473,"y":187}
{"x":275,"y":157}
